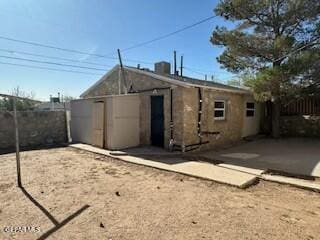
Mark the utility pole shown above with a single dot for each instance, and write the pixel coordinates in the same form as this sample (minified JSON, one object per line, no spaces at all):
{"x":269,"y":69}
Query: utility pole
{"x":122,"y":75}
{"x":17,"y":141}
{"x":15,"y":120}
{"x":205,"y":77}
{"x":175,"y":62}
{"x":181,"y":66}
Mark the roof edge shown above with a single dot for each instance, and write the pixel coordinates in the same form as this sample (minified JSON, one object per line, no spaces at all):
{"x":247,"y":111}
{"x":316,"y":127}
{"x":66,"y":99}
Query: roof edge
{"x":159,"y":77}
{"x":165,"y":79}
{"x":186,"y":84}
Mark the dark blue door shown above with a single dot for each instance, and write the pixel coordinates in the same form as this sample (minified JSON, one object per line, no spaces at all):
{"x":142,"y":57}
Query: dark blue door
{"x":157,"y":121}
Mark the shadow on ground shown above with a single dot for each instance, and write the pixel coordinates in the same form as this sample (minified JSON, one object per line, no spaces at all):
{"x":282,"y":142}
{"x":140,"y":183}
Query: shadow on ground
{"x":30,"y":148}
{"x":152,"y":153}
{"x":57,"y":224}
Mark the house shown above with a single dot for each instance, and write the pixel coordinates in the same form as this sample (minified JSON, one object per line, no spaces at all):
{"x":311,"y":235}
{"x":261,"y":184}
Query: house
{"x":53,"y":105}
{"x":50,"y":106}
{"x":178,"y":112}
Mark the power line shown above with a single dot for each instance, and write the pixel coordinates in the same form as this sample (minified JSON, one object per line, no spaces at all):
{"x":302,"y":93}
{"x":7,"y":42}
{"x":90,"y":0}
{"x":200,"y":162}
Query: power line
{"x":69,"y":50}
{"x":194,"y":71}
{"x":208,"y":75}
{"x":51,"y":57}
{"x":200,"y":73}
{"x":54,"y":47}
{"x":206,"y":70}
{"x":296,"y":50}
{"x":46,"y":68}
{"x":53,"y":63}
{"x":106,"y":56}
{"x":168,"y":34}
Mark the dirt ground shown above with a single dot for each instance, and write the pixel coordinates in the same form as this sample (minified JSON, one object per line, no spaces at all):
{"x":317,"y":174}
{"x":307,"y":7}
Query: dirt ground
{"x":71,"y":194}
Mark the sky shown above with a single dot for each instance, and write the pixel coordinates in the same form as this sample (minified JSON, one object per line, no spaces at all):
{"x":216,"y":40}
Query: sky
{"x":101,"y":27}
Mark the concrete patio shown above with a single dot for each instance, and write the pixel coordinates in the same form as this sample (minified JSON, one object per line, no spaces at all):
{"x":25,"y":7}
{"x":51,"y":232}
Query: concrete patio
{"x":158,"y":158}
{"x":239,"y":166}
{"x":294,"y":156}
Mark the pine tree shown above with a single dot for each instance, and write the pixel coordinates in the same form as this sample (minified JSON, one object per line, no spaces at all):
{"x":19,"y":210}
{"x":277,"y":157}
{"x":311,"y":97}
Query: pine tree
{"x":274,"y":41}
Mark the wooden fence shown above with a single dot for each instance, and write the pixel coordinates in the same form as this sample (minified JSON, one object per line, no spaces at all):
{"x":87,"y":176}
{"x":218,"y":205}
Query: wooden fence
{"x":307,"y":106}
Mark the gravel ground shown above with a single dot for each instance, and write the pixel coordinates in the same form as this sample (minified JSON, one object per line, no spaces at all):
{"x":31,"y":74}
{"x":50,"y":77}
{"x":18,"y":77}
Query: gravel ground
{"x":71,"y":194}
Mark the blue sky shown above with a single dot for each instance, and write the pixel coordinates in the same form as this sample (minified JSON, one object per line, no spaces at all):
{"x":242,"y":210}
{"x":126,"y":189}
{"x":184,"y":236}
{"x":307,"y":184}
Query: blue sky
{"x":100,"y":27}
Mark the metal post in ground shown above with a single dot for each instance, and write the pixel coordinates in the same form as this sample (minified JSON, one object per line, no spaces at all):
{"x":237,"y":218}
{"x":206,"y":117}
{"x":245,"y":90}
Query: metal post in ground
{"x":17,"y":141}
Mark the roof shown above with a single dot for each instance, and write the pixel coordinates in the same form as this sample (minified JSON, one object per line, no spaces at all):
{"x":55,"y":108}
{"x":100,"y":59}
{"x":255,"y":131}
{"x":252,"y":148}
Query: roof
{"x":182,"y":81}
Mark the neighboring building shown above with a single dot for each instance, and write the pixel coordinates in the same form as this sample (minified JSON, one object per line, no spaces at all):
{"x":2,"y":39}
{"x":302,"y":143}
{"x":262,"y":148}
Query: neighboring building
{"x":50,"y":106}
{"x":53,"y":105}
{"x":182,"y":112}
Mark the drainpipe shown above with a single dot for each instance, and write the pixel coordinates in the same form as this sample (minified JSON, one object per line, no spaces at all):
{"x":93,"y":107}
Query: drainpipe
{"x":194,"y":146}
{"x":200,"y":115}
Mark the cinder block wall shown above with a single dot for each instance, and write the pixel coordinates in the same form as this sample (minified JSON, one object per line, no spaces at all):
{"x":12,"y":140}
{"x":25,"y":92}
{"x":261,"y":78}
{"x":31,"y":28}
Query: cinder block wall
{"x":36,"y":128}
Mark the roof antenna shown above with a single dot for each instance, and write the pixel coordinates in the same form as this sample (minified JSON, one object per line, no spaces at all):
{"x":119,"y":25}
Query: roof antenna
{"x":122,"y":75}
{"x":181,"y":66}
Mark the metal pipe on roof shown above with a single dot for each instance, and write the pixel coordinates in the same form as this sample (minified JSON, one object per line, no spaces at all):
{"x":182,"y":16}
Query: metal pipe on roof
{"x":181,"y":66}
{"x":122,"y":73}
{"x":175,"y":62}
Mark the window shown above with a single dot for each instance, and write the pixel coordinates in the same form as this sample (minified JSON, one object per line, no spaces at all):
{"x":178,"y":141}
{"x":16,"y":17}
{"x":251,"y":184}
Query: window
{"x":219,"y":110}
{"x":250,"y":109}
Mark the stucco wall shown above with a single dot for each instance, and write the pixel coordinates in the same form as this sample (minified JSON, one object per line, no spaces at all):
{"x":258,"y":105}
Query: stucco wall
{"x":81,"y":120}
{"x":122,"y":121}
{"x":177,"y":107}
{"x":185,"y":112}
{"x":190,"y":116}
{"x":251,"y":124}
{"x":35,"y":128}
{"x":143,"y":83}
{"x":230,"y":130}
